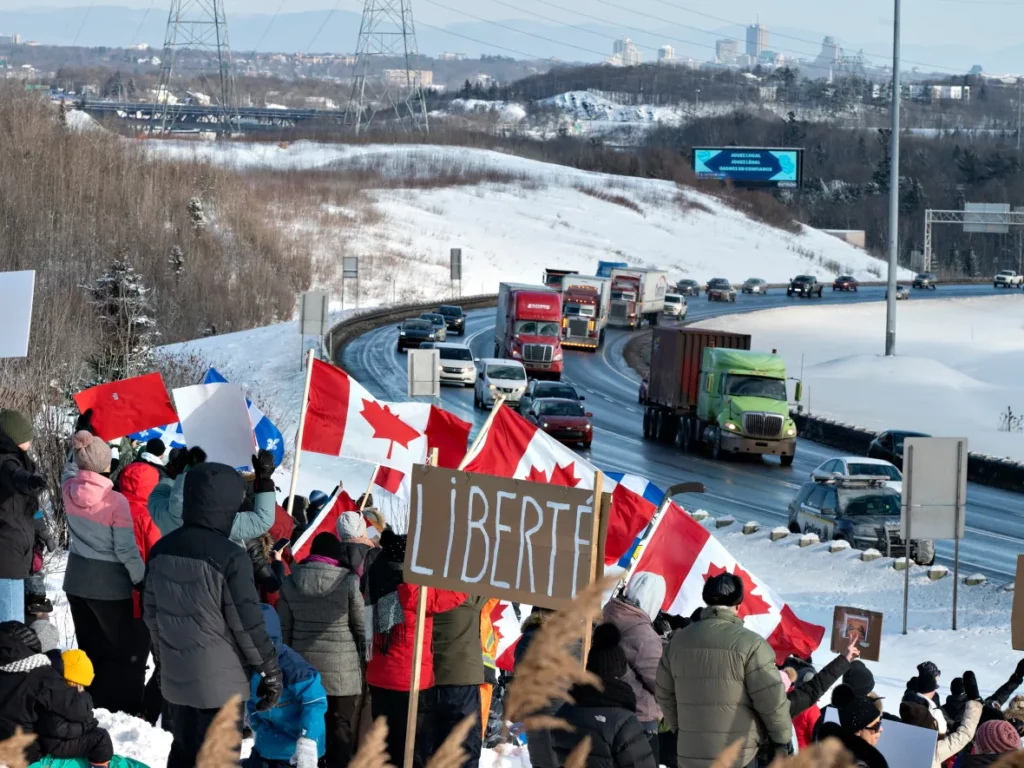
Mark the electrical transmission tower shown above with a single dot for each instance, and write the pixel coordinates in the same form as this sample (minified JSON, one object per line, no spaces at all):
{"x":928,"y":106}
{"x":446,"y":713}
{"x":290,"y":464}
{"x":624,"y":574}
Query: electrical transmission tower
{"x":386,"y":77}
{"x":196,"y":46}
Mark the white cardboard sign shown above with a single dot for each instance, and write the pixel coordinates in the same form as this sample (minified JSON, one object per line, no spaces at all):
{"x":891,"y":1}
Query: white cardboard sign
{"x":16,"y":290}
{"x":906,"y":746}
{"x":214,"y":417}
{"x":424,"y":373}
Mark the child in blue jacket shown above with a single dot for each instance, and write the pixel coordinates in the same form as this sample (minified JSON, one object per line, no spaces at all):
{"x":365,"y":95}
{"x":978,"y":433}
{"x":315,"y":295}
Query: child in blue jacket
{"x":293,"y":732}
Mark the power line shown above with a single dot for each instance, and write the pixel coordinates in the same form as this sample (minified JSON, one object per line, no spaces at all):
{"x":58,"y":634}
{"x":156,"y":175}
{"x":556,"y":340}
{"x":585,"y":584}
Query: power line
{"x":528,"y":56}
{"x":135,"y":37}
{"x":327,"y":18}
{"x":267,"y":30}
{"x":81,"y":26}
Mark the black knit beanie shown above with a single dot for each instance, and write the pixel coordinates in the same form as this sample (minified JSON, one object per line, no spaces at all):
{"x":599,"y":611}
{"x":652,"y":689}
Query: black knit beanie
{"x":724,"y":589}
{"x":859,"y":678}
{"x":607,"y":660}
{"x":326,"y":544}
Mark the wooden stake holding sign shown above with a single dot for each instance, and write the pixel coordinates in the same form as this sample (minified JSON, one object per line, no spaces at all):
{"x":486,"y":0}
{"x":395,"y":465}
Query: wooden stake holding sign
{"x":595,"y":563}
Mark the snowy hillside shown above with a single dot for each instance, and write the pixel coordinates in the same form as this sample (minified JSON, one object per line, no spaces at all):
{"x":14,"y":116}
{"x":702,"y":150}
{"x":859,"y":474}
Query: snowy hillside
{"x":957,"y":370}
{"x":513,"y":217}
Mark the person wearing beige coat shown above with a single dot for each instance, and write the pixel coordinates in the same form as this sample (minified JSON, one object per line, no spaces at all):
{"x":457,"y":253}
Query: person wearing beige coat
{"x":953,"y":742}
{"x":717,"y":683}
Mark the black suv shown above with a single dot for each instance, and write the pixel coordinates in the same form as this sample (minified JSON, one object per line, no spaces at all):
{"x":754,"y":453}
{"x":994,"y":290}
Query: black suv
{"x":688,"y":288}
{"x":805,"y":285}
{"x":926,"y":280}
{"x":454,"y":318}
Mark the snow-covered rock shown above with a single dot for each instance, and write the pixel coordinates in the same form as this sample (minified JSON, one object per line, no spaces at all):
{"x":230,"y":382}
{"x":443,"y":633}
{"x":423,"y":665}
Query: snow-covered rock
{"x":869,"y":555}
{"x":937,"y":572}
{"x":779,"y":533}
{"x":725,"y":521}
{"x":809,"y":540}
{"x":838,"y":545}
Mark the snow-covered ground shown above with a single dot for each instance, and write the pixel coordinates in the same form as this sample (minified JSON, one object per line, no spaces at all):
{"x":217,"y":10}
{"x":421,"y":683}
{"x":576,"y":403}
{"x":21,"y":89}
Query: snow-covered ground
{"x":538,"y":215}
{"x":959,"y":365}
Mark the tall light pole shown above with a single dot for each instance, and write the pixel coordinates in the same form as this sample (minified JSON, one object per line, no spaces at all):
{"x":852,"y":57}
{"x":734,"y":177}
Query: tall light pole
{"x":894,"y":188}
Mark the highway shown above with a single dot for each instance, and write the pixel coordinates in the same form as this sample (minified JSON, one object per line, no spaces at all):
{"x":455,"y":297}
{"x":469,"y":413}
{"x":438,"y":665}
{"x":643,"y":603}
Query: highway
{"x":750,"y":489}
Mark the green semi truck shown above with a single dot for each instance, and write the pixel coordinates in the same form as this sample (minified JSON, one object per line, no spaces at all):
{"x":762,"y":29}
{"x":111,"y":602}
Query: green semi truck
{"x":707,"y":390}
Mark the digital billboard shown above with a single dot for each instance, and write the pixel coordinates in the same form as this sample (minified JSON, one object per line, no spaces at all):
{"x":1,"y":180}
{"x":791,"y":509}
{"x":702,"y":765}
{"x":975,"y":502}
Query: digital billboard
{"x":750,"y":166}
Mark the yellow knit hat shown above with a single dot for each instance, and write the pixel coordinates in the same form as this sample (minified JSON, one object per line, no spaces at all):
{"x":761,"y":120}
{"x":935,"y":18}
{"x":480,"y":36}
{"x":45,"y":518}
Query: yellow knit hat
{"x":78,"y":668}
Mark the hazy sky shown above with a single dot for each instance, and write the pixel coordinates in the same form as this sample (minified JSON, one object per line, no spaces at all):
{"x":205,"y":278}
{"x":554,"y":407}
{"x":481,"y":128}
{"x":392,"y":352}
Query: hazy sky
{"x":981,"y":24}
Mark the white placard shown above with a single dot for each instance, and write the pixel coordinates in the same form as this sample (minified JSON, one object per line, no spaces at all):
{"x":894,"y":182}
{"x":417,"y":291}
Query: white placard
{"x":424,"y":373}
{"x":313,"y":320}
{"x":16,"y":289}
{"x":906,"y":746}
{"x":934,"y":481}
{"x":214,"y":417}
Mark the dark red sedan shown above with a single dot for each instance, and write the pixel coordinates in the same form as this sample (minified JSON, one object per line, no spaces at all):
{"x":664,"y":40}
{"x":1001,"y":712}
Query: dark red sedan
{"x":564,"y":420}
{"x":845,"y":283}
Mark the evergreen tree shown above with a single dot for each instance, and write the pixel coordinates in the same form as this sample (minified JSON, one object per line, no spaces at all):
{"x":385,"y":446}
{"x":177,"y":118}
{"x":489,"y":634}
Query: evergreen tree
{"x":176,"y":261}
{"x":128,"y":330}
{"x":196,"y":214}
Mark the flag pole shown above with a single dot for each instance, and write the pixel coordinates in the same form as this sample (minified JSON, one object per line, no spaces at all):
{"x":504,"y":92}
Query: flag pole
{"x":366,"y":496}
{"x":659,"y":515}
{"x":417,"y":658}
{"x":298,"y":434}
{"x":483,"y":431}
{"x":595,"y":534}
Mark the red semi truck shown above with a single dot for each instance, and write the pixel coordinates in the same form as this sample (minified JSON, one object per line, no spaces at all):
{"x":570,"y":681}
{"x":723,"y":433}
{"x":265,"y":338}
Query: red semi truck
{"x":528,"y":328}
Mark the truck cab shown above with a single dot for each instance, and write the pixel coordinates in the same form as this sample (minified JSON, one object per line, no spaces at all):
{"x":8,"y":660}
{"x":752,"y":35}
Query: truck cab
{"x":744,"y":405}
{"x":585,"y":306}
{"x":528,"y":328}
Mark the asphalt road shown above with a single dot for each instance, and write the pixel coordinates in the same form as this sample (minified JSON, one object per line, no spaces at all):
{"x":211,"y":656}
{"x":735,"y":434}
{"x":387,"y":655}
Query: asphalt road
{"x":750,"y":489}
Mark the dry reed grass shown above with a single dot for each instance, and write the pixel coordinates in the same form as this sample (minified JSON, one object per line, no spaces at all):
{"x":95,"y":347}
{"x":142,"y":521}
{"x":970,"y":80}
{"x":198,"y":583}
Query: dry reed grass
{"x":223,"y":742}
{"x":12,"y":750}
{"x":373,"y":752}
{"x":451,"y":754}
{"x":578,"y":757}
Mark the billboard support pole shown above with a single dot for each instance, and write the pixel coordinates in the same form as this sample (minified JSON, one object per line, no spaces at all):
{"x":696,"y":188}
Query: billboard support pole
{"x":906,"y":563}
{"x":894,"y":194}
{"x":956,"y":528}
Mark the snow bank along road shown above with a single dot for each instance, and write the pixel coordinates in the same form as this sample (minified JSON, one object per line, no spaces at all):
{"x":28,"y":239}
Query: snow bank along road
{"x":747,"y":490}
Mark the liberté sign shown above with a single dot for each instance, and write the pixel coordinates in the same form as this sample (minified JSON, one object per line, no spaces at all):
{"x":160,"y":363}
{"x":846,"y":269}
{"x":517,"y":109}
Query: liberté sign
{"x":515,"y":540}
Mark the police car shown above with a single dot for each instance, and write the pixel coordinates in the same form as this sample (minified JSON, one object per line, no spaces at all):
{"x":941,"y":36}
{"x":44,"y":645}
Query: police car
{"x":862,"y":510}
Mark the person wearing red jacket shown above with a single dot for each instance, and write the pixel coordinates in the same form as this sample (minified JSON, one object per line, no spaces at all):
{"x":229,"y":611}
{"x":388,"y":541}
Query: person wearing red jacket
{"x":393,"y":606}
{"x":136,"y":482}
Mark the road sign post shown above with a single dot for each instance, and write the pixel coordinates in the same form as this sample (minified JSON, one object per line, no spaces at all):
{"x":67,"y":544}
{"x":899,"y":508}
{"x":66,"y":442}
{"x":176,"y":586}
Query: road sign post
{"x":456,"y":268}
{"x":349,"y":271}
{"x":934,"y":499}
{"x":312,"y":318}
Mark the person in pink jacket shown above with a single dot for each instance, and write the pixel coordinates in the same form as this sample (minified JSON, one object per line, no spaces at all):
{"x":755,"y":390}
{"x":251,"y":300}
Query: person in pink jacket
{"x":104,"y":567}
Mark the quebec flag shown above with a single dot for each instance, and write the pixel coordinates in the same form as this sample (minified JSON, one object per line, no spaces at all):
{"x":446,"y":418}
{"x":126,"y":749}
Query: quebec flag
{"x":650,"y":492}
{"x":268,"y":437}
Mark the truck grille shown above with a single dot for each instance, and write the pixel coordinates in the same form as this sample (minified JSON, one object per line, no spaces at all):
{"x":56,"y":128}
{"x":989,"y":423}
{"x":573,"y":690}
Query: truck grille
{"x":762,"y":424}
{"x":619,"y":311}
{"x":538,"y":353}
{"x":578,"y":327}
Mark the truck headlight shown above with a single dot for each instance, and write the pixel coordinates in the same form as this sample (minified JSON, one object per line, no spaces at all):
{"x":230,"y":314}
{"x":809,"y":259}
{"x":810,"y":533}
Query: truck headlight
{"x":791,"y":432}
{"x":515,"y":353}
{"x":730,"y":426}
{"x":401,"y":333}
{"x":545,"y":424}
{"x":558,"y":356}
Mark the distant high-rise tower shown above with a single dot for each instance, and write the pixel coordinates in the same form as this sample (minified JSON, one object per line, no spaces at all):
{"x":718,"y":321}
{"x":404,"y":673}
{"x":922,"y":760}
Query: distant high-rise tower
{"x":626,"y":53}
{"x":666,"y":54}
{"x":196,"y":47}
{"x":726,"y":51}
{"x":387,"y":41}
{"x":757,"y":40}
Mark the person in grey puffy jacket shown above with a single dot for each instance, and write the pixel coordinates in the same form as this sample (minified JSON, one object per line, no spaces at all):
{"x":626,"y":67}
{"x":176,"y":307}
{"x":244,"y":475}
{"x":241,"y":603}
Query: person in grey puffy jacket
{"x":166,"y":500}
{"x":321,"y":612}
{"x":633,"y":614}
{"x":718,"y":684}
{"x":104,"y":568}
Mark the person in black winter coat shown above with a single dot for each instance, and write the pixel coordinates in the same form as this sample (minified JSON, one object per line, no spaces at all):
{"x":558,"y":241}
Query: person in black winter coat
{"x":860,"y":725}
{"x":203,"y":612}
{"x":810,"y":692}
{"x":608,"y":716}
{"x":35,"y":697}
{"x":956,"y":701}
{"x":20,"y":485}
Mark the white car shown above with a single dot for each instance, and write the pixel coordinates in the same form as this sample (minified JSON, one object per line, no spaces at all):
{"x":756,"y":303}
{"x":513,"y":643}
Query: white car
{"x":902,"y":292}
{"x":1008,"y":279}
{"x":675,"y":306}
{"x":457,"y":365}
{"x":859,"y":466}
{"x":505,"y":377}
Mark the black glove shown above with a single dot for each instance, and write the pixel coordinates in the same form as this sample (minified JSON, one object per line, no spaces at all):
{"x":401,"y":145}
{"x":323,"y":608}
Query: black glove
{"x":270,"y":688}
{"x":263,"y":466}
{"x":956,"y":688}
{"x":929,"y":668}
{"x":37,"y":483}
{"x":85,"y":422}
{"x":782,"y":750}
{"x":971,"y":687}
{"x":1019,"y":672}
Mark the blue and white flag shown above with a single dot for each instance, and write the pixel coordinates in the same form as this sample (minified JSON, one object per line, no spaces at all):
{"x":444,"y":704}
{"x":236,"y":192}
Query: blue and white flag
{"x":643,"y":487}
{"x":268,"y":437}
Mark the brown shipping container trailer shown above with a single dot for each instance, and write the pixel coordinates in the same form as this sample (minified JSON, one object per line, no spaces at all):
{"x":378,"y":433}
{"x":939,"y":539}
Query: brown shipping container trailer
{"x":676,"y":355}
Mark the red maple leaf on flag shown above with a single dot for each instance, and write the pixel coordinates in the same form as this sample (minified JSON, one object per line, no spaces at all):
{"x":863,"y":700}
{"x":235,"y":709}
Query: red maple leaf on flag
{"x":565,"y":476}
{"x":387,"y":426}
{"x":752,"y":605}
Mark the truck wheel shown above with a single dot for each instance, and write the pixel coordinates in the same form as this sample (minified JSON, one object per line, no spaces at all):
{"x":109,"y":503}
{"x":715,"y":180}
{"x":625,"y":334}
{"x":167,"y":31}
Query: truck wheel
{"x":669,"y":429}
{"x":787,"y":461}
{"x":716,"y":445}
{"x":647,"y":423}
{"x":794,"y":528}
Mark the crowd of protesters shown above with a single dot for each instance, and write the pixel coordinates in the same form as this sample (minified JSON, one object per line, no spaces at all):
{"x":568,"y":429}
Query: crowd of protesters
{"x":189,"y":562}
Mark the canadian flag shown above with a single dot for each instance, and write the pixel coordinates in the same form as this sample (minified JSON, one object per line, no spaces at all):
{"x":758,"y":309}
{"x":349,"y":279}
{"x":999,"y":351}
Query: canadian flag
{"x":512,"y":447}
{"x":343,"y":419}
{"x":686,"y":555}
{"x":325,"y":522}
{"x":507,"y":628}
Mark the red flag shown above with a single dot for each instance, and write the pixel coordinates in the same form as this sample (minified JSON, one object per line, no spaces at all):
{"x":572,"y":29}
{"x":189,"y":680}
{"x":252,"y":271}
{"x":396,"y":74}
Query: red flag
{"x":389,"y":479}
{"x":686,"y":555}
{"x":513,"y":447}
{"x":124,"y":407}
{"x":325,"y":522}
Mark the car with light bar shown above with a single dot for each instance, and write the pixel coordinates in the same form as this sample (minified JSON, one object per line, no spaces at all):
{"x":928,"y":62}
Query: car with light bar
{"x":564,"y":420}
{"x":863,"y":511}
{"x":860,"y":466}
